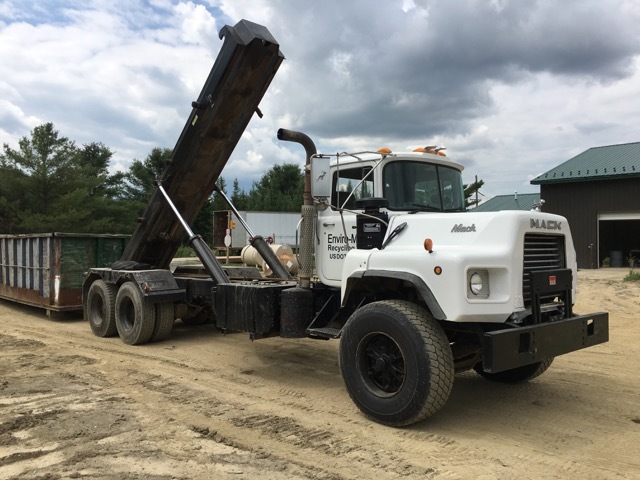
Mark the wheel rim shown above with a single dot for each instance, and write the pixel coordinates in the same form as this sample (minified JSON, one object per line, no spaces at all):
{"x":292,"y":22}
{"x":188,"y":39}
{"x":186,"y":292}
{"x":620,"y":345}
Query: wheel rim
{"x":381,"y":364}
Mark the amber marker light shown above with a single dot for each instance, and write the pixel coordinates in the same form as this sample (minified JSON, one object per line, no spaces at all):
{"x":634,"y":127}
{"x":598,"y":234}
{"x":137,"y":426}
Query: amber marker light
{"x":384,"y":150}
{"x":437,"y":270}
{"x":428,"y":245}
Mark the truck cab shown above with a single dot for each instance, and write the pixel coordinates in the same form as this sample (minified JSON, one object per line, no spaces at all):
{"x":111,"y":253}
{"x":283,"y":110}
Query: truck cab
{"x":422,"y":278}
{"x":417,"y":181}
{"x":477,"y":266}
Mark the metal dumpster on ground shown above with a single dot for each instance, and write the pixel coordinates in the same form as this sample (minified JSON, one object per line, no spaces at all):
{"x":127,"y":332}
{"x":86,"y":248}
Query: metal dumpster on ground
{"x":46,"y":270}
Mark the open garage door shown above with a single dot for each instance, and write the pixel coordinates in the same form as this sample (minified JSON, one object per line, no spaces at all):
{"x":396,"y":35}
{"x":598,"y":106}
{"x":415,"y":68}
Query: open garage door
{"x":619,"y":238}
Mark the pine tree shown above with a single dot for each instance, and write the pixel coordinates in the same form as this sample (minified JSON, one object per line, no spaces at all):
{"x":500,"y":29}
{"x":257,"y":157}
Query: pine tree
{"x":50,"y":184}
{"x":470,"y":190}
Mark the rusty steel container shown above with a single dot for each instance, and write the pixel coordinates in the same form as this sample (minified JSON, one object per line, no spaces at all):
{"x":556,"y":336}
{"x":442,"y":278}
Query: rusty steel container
{"x":46,"y":270}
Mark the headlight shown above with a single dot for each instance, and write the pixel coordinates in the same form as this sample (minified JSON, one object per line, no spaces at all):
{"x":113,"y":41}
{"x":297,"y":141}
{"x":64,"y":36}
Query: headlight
{"x":477,"y":284}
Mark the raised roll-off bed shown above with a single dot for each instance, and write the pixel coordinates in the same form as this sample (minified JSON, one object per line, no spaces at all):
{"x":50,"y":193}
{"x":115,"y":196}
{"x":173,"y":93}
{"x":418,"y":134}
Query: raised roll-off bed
{"x":415,"y":287}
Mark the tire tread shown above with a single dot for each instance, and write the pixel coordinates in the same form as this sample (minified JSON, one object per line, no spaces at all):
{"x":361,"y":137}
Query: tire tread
{"x":107,"y":291}
{"x":144,"y":323}
{"x":164,"y":322}
{"x":438,"y":352}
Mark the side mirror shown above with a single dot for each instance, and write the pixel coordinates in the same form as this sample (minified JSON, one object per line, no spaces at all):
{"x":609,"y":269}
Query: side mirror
{"x":320,"y":178}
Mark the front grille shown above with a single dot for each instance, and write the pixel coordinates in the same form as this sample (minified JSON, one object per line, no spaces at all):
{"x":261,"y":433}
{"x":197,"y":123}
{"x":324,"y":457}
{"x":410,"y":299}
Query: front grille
{"x":541,"y":252}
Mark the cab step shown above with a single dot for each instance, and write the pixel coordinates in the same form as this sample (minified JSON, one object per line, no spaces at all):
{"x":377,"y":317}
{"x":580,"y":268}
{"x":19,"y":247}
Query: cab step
{"x":325,"y":332}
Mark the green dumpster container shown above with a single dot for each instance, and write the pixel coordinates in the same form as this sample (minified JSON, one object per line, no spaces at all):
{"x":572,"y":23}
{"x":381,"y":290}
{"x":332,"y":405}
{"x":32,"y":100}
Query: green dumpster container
{"x":46,"y":270}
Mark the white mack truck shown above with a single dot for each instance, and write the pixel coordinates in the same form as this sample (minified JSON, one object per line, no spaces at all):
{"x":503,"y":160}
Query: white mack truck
{"x":414,"y":287}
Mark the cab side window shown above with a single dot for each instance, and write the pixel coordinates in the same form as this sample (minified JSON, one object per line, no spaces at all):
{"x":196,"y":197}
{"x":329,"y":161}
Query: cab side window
{"x":349,"y":187}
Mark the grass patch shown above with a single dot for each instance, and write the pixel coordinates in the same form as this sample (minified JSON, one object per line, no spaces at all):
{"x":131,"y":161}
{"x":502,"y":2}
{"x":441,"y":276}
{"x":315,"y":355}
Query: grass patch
{"x":632,"y":277}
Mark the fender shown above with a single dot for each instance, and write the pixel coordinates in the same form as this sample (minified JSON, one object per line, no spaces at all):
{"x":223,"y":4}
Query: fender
{"x":156,"y":285}
{"x":366,"y":277}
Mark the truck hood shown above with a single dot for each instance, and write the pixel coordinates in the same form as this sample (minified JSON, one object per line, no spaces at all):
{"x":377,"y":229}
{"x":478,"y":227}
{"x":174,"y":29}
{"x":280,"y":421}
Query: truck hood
{"x":467,"y":228}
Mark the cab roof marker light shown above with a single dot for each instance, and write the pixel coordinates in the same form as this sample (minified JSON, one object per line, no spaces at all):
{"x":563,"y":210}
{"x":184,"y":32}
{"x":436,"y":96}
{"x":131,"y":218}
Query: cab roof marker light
{"x":427,"y":149}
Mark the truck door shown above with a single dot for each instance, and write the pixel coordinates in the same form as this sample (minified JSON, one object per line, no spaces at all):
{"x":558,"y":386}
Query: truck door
{"x":337,"y":224}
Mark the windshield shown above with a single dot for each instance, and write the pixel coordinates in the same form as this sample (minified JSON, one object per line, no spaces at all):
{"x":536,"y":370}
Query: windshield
{"x":422,"y":186}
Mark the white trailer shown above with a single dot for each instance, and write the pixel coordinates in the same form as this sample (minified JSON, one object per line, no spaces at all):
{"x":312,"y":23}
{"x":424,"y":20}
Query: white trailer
{"x":274,"y":227}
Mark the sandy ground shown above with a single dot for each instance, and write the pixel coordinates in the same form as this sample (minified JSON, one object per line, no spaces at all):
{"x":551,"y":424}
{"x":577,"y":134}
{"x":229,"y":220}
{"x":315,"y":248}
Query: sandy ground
{"x":206,"y":406}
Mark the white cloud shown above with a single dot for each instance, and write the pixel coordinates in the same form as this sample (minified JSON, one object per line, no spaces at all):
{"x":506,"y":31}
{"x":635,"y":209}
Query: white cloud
{"x":339,"y":64}
{"x":197,"y":25}
{"x":546,"y":120}
{"x":511,"y":88}
{"x":126,"y":81}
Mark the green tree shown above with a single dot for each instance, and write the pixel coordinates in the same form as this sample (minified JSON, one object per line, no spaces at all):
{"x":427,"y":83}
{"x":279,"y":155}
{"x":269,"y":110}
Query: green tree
{"x":9,"y":210}
{"x":50,"y":184}
{"x":12,"y":184}
{"x":238,"y":196}
{"x":279,"y":190}
{"x":142,"y":173}
{"x":46,"y":160}
{"x":470,"y":190}
{"x":99,"y":194}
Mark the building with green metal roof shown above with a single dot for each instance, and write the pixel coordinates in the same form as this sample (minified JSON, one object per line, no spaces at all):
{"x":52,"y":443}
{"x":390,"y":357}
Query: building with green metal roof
{"x":517,"y":201}
{"x":597,"y":163}
{"x":598,"y":191}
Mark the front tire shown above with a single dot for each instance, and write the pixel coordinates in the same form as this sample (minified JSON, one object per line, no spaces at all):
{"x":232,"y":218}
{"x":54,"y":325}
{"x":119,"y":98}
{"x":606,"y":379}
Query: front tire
{"x":396,"y":362}
{"x":515,"y":375}
{"x":101,"y":309}
{"x":135,"y":317}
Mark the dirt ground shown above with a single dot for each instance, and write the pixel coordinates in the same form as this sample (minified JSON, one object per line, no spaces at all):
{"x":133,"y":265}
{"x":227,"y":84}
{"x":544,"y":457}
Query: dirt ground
{"x":206,"y":406}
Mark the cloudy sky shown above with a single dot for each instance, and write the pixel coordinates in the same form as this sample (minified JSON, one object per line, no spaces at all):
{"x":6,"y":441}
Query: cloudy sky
{"x":512,"y":88}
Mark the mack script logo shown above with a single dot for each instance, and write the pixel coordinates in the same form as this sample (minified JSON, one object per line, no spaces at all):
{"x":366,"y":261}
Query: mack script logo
{"x":460,"y":228}
{"x":545,"y":224}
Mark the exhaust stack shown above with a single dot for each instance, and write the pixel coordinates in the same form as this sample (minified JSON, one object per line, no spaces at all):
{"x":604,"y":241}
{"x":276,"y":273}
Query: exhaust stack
{"x":307,"y":228}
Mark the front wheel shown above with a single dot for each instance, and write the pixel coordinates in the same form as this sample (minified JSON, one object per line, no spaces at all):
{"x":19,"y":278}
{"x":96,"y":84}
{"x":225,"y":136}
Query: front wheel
{"x":396,"y":362}
{"x":515,"y":375}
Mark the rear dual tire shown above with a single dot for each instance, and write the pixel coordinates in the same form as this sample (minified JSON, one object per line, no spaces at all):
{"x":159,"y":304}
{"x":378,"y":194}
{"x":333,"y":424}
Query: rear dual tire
{"x":135,"y":317}
{"x":164,"y":317}
{"x":101,"y":309}
{"x":127,"y":313}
